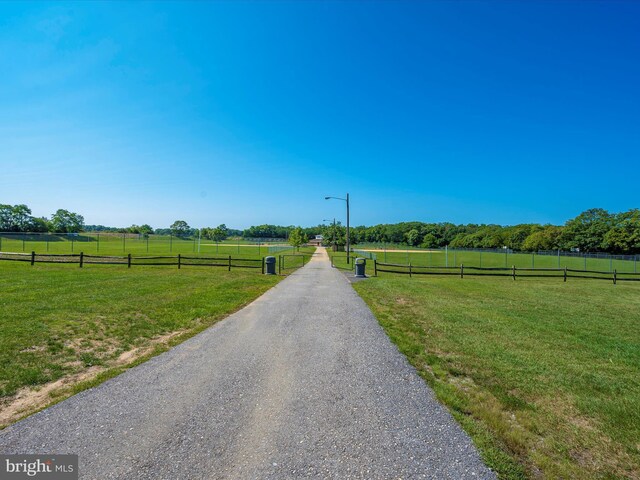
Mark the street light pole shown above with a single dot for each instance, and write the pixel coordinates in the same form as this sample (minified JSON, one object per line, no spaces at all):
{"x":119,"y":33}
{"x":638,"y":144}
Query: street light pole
{"x":348,"y":242}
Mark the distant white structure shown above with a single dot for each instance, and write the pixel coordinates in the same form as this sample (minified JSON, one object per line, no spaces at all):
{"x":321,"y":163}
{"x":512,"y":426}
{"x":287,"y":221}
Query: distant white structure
{"x":316,"y":241}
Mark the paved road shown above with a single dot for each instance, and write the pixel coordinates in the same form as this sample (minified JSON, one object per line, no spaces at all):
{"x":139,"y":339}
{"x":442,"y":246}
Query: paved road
{"x":301,"y":383}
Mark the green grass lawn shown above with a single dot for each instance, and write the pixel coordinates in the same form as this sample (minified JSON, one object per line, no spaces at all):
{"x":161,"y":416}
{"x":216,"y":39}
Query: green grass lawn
{"x":59,"y":320}
{"x":544,"y":375}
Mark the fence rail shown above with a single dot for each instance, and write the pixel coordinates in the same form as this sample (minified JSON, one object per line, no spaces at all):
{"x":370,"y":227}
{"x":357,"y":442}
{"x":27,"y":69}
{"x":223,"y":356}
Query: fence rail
{"x":179,"y":260}
{"x":297,"y":259}
{"x":513,"y":272}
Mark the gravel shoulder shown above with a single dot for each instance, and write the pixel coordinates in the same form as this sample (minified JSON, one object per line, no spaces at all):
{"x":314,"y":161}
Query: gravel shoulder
{"x":302,"y":383}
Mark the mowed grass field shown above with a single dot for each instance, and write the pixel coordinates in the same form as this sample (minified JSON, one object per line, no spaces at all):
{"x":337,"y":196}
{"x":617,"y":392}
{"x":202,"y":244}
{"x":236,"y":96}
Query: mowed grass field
{"x":441,"y":258}
{"x":118,"y":244}
{"x":59,"y":321}
{"x":544,"y":375}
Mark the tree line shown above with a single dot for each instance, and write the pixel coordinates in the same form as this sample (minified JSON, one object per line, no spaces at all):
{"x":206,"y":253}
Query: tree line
{"x":18,"y":218}
{"x":594,"y":230}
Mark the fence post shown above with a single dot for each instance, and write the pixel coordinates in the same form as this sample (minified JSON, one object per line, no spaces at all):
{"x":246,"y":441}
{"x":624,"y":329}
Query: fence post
{"x":263,"y":265}
{"x":375,"y":267}
{"x":565,"y":273}
{"x":229,"y":262}
{"x":280,"y":264}
{"x":461,"y":270}
{"x":514,"y":273}
{"x":615,"y":276}
{"x":33,"y":258}
{"x":129,"y":261}
{"x":410,"y":270}
{"x":81,"y":259}
{"x":179,"y":261}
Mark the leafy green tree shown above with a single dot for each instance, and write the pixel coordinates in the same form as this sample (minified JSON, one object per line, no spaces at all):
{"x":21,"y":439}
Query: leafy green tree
{"x":40,"y":224}
{"x":15,"y":218}
{"x":411,"y":237}
{"x":586,"y":232}
{"x":624,"y":236}
{"x":297,"y":238}
{"x":429,"y":241}
{"x":548,"y":238}
{"x":335,"y":235}
{"x":64,"y":221}
{"x":146,"y":230}
{"x":266,"y":231}
{"x":6,"y":217}
{"x":515,"y":236}
{"x":180,"y":227}
{"x":220,"y":233}
{"x":21,"y":218}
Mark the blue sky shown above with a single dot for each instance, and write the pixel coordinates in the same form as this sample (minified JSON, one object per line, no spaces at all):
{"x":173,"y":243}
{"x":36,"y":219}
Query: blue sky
{"x":251,"y":112}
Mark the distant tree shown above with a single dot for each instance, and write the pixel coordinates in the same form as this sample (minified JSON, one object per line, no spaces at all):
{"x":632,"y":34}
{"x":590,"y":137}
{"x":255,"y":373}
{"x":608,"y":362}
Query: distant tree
{"x":15,"y":218}
{"x":64,"y":221}
{"x":220,"y":233}
{"x":40,"y":224}
{"x":266,"y":231}
{"x":624,"y":236}
{"x":586,"y":232}
{"x":515,"y":236}
{"x":548,"y":238}
{"x":6,"y":215}
{"x":98,"y":228}
{"x":297,"y":238}
{"x":21,"y":218}
{"x":334,"y":235}
{"x":429,"y":241}
{"x":411,"y":237}
{"x":180,"y":227}
{"x":146,"y":229}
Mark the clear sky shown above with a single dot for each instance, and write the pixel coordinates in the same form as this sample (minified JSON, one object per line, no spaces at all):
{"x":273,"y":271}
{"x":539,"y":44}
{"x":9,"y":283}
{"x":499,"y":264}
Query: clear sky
{"x":252,"y":112}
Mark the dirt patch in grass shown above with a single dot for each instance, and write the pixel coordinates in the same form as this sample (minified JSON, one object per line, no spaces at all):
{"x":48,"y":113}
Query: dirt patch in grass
{"x":65,"y":329}
{"x":31,"y":399}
